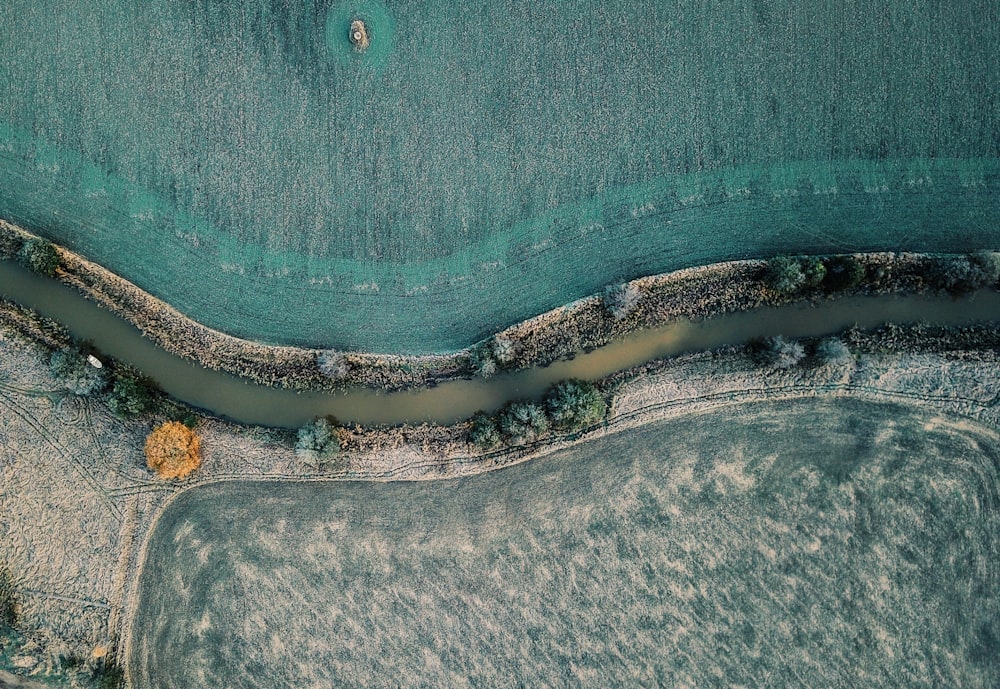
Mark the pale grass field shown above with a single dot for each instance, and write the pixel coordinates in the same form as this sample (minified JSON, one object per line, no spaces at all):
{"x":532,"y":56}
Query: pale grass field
{"x":814,"y":542}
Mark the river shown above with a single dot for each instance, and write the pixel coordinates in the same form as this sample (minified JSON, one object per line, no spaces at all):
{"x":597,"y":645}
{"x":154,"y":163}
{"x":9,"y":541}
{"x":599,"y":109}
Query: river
{"x":235,"y":398}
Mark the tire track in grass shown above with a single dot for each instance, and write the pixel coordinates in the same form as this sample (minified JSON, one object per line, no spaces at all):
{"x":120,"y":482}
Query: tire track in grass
{"x":51,"y":440}
{"x":73,"y":600}
{"x":117,"y":469}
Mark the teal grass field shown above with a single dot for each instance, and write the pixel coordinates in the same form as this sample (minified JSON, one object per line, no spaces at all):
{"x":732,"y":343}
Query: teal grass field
{"x":483,"y":163}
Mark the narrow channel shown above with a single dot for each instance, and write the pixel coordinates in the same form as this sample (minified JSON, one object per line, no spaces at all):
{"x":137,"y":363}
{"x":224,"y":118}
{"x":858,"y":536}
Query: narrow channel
{"x":235,"y":398}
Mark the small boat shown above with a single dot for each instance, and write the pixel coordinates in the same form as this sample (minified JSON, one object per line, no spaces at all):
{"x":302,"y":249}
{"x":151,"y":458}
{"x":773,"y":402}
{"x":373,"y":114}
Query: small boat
{"x":359,"y":35}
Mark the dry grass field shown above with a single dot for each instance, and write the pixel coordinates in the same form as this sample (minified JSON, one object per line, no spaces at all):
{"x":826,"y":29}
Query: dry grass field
{"x":73,"y":493}
{"x":803,"y":543}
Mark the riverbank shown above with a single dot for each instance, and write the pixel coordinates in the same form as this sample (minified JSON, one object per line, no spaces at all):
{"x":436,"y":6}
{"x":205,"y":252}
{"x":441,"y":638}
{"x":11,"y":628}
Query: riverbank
{"x":649,"y":302}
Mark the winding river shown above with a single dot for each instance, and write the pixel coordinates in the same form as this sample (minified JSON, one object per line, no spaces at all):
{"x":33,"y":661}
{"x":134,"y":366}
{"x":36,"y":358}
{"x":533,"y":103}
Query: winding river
{"x":239,"y":400}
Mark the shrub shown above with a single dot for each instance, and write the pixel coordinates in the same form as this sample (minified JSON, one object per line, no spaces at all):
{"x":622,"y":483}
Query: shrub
{"x":842,"y":272}
{"x":483,"y":433}
{"x":779,"y":352}
{"x":132,"y":395}
{"x":108,"y":675}
{"x":482,"y":361}
{"x":573,"y":405}
{"x":39,"y":256}
{"x":503,"y":349}
{"x":621,"y":300}
{"x":8,"y":602}
{"x":989,"y":263}
{"x":832,"y":351}
{"x":963,"y":274}
{"x":813,"y":271}
{"x":173,"y":450}
{"x":74,"y":371}
{"x":333,"y":364}
{"x":521,"y":422}
{"x":784,"y":275}
{"x":317,"y":441}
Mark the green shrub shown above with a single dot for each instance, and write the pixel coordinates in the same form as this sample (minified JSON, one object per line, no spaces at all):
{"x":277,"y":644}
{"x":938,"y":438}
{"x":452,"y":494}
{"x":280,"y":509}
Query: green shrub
{"x":483,"y":433}
{"x":573,"y":405}
{"x":74,"y":371}
{"x":522,"y":421}
{"x":482,"y":361}
{"x":784,"y":275}
{"x":842,"y":272}
{"x":132,"y":395}
{"x":989,"y":263}
{"x":317,"y":442}
{"x":813,"y":271}
{"x":39,"y":256}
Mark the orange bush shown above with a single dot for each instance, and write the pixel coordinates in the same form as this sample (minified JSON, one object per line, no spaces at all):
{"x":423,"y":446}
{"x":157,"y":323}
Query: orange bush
{"x":172,"y":450}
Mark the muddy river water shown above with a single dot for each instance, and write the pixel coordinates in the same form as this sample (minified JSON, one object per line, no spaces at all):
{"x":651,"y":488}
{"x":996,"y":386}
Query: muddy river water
{"x":239,"y":400}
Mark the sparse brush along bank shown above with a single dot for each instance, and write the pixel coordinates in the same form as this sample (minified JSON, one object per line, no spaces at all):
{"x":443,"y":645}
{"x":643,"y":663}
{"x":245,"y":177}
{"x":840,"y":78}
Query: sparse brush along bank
{"x":693,"y":293}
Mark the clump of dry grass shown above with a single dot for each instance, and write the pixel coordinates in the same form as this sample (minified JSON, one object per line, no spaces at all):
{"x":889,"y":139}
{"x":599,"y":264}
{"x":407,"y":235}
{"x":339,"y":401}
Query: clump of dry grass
{"x":173,"y":450}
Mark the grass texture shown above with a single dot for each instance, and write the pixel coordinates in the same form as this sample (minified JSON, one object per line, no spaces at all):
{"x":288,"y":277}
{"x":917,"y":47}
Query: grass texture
{"x":478,"y":166}
{"x":818,"y":542}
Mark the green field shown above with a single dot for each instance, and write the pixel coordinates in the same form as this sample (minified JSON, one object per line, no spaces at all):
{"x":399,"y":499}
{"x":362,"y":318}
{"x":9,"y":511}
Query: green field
{"x":819,"y":542}
{"x":482,"y":164}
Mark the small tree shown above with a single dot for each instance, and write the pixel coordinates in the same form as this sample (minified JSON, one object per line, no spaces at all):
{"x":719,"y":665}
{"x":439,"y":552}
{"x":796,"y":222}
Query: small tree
{"x":39,"y":256}
{"x":832,"y":351}
{"x":842,"y":272}
{"x":963,"y":274}
{"x":782,"y":353}
{"x":109,"y":675}
{"x":132,"y":395}
{"x":482,"y":361}
{"x":333,"y":364}
{"x":74,"y":370}
{"x":621,"y":300}
{"x":813,"y":271}
{"x":483,"y":432}
{"x":503,"y":349}
{"x":317,"y":441}
{"x":173,"y":450}
{"x":784,"y":275}
{"x":573,"y":405}
{"x":989,"y":263}
{"x":522,"y":421}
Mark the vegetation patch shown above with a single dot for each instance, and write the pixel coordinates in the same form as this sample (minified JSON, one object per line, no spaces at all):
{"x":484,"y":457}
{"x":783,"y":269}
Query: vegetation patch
{"x":132,"y":394}
{"x":569,"y":406}
{"x":317,"y":442}
{"x":77,"y":371}
{"x":39,"y":256}
{"x":8,"y":600}
{"x":173,"y":450}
